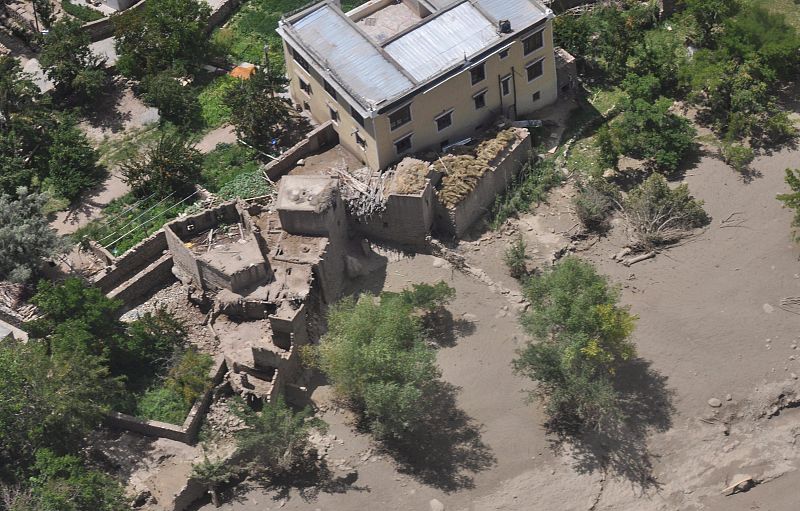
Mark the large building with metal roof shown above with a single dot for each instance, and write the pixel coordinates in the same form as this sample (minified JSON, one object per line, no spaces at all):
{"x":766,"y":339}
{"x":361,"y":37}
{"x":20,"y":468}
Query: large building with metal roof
{"x":403,"y":76}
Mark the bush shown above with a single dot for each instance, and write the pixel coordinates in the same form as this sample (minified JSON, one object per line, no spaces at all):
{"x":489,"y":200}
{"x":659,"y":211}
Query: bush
{"x":516,"y":258}
{"x":186,"y":381}
{"x":246,"y":186}
{"x":212,"y":98}
{"x":172,"y":165}
{"x":275,"y":441}
{"x":73,"y":164}
{"x":162,"y":404}
{"x":792,"y":199}
{"x":226,"y":162}
{"x":595,"y":203}
{"x":376,"y":358}
{"x":581,"y":336}
{"x":429,"y":298}
{"x":531,"y":187}
{"x":659,"y":214}
{"x":737,"y":156}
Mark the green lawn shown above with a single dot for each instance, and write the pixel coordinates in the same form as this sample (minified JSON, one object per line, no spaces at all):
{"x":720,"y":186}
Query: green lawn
{"x":234,"y":171}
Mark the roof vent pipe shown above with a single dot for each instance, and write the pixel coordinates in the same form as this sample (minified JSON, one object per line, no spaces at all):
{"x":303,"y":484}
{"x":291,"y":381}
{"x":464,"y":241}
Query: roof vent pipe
{"x":504,"y":26}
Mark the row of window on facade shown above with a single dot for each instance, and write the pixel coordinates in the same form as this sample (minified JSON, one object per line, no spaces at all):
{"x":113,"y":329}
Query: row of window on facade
{"x":402,"y":116}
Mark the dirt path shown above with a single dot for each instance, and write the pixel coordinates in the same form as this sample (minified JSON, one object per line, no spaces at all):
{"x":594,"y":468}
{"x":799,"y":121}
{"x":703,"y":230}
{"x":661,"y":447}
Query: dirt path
{"x":67,"y":222}
{"x":222,"y":135}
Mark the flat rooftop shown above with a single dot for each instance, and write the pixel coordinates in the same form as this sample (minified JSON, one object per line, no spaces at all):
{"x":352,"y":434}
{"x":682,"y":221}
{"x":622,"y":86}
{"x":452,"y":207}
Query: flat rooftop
{"x":380,"y":55}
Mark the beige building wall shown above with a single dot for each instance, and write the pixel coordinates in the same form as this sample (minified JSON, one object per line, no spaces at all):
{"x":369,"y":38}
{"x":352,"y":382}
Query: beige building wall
{"x":455,"y":94}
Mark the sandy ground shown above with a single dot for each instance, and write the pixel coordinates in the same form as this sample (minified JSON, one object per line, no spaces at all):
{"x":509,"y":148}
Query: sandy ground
{"x":710,"y":325}
{"x":222,"y":135}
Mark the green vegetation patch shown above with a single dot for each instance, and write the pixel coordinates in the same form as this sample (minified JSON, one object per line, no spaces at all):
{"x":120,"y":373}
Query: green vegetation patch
{"x":81,"y":12}
{"x":214,"y":108}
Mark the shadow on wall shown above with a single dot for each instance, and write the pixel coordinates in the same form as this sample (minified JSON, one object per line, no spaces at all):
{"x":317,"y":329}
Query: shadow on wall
{"x":646,"y":406}
{"x":449,"y":450}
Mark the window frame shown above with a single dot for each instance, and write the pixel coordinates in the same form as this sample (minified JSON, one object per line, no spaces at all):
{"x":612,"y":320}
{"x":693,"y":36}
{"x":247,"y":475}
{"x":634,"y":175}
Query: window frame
{"x":473,"y":69}
{"x":505,"y":85}
{"x":537,"y":96}
{"x":300,"y":60}
{"x":504,"y":54}
{"x":530,"y":65}
{"x":305,"y":86}
{"x":448,"y":113}
{"x":525,"y":50}
{"x":403,"y":139}
{"x":329,"y":89}
{"x":360,"y":141}
{"x":392,"y":125}
{"x":357,"y":117}
{"x":334,"y":113}
{"x":481,"y":94}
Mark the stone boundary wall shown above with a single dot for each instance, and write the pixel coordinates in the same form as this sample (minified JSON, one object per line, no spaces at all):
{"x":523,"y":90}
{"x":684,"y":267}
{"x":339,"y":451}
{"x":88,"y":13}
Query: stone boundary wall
{"x":321,"y":137}
{"x":186,"y":432}
{"x":221,"y":15}
{"x":132,"y":262}
{"x":493,"y":183}
{"x":152,"y":277}
{"x":407,"y":219}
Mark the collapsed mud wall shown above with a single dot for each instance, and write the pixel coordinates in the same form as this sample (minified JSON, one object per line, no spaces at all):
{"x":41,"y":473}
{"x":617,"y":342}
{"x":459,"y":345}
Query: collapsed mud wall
{"x":320,"y":138}
{"x":406,"y":220}
{"x":132,"y":262}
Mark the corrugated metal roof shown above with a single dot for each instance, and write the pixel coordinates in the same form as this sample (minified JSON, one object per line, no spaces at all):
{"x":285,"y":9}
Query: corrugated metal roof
{"x":351,"y":56}
{"x":521,"y":13}
{"x":443,"y":41}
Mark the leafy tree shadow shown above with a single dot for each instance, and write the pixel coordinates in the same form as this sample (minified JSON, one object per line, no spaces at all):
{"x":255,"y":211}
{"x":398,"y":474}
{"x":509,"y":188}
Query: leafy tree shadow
{"x":444,"y":330}
{"x":447,"y":450}
{"x":105,"y":112}
{"x":620,"y":448}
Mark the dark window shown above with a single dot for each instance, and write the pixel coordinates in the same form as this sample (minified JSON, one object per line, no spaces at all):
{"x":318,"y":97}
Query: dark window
{"x":444,"y":121}
{"x":400,"y":117}
{"x":300,"y":60}
{"x":533,"y":43}
{"x":357,"y":116}
{"x":478,"y":73}
{"x":535,"y":70}
{"x":360,"y":141}
{"x":480,"y":100}
{"x":306,"y":105}
{"x":334,"y":114}
{"x":330,"y":90}
{"x":505,"y":85}
{"x":504,"y":54}
{"x":403,"y":145}
{"x":537,"y":96}
{"x":305,"y":86}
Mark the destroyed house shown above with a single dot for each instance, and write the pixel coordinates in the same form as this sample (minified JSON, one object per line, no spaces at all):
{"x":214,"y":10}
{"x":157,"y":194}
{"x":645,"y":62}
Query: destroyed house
{"x":397,"y":77}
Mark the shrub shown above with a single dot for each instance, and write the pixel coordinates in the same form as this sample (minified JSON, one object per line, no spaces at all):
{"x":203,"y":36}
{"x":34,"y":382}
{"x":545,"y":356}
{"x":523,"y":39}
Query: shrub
{"x":531,"y":187}
{"x":581,"y":336}
{"x":186,"y":381}
{"x":737,"y":156}
{"x":595,"y":203}
{"x":175,"y":101}
{"x":172,"y":165}
{"x":659,"y":214}
{"x":246,"y":186}
{"x":73,"y":163}
{"x":275,"y":441}
{"x":792,"y":199}
{"x":81,"y":12}
{"x":428,"y":297}
{"x":226,"y":162}
{"x":162,"y":404}
{"x":375,"y":356}
{"x":516,"y":258}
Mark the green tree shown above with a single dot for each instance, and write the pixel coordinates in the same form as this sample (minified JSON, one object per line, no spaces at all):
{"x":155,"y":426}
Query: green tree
{"x":261,"y":115}
{"x":73,"y":165}
{"x":275,"y":441}
{"x":710,"y":15}
{"x":376,"y":358}
{"x":175,"y":101}
{"x":212,"y":475}
{"x":165,"y":34}
{"x":792,"y":199}
{"x":148,"y":346}
{"x":64,"y":483}
{"x":171,"y":165}
{"x":69,"y":62}
{"x":48,"y":401}
{"x":429,"y":298}
{"x":26,"y":238}
{"x":581,"y":337}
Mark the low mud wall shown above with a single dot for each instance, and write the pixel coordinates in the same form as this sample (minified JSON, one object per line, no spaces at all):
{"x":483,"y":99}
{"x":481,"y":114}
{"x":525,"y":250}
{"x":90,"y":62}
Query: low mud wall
{"x":322,"y":137}
{"x":132,"y":262}
{"x":154,"y":276}
{"x":457,"y":220}
{"x":186,"y":432}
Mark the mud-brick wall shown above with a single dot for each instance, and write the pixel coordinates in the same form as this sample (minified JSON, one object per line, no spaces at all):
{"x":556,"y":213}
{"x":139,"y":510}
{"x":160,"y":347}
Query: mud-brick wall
{"x":293,"y":326}
{"x":406,"y":220}
{"x":323,"y":136}
{"x":132,"y":262}
{"x":182,"y":256}
{"x":190,"y":226}
{"x":145,"y":282}
{"x":330,"y":272}
{"x":456,"y":221}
